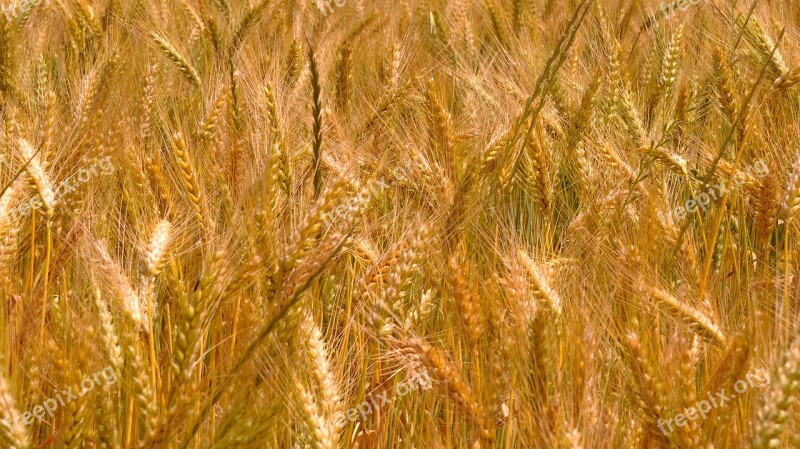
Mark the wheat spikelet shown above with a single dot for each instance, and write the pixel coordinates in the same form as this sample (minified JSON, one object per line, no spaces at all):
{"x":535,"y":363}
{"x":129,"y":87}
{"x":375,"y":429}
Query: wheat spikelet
{"x":574,"y":439}
{"x":109,"y":334}
{"x":189,"y":177}
{"x":581,"y":123}
{"x":209,"y":127}
{"x":695,"y":316}
{"x":787,"y":80}
{"x":520,"y":13}
{"x":684,"y":109}
{"x":538,"y":171}
{"x":148,"y":104}
{"x":181,"y":63}
{"x":541,"y":284}
{"x":6,"y":46}
{"x":143,"y":389}
{"x":379,"y":271}
{"x":87,"y":16}
{"x":462,"y":32}
{"x":764,"y":46}
{"x":158,"y":184}
{"x":318,"y":426}
{"x":129,"y":298}
{"x":249,"y":20}
{"x":728,"y":171}
{"x":279,"y":159}
{"x":295,"y":61}
{"x":316,"y":111}
{"x":691,"y":437}
{"x":497,"y":23}
{"x":622,"y":103}
{"x":733,"y":364}
{"x":192,"y":13}
{"x":49,"y":129}
{"x":767,"y":205}
{"x":465,"y":303}
{"x":647,"y":388}
{"x":790,"y":203}
{"x":426,"y":176}
{"x":107,"y":432}
{"x":42,"y":182}
{"x":495,"y":151}
{"x":386,"y":304}
{"x":611,"y":156}
{"x":445,"y":373}
{"x":330,"y":397}
{"x":74,"y":28}
{"x":12,"y":431}
{"x":309,"y":230}
{"x":392,"y":68}
{"x":725,"y":86}
{"x":671,"y":56}
{"x":157,"y":247}
{"x":75,"y":423}
{"x":5,"y":207}
{"x":8,"y":236}
{"x":674,"y":162}
{"x":343,"y":74}
{"x":776,"y":411}
{"x":439,"y":126}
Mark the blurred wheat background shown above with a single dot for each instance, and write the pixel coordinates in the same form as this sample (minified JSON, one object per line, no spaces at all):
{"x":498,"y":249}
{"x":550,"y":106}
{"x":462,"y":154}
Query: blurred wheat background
{"x":263,"y":216}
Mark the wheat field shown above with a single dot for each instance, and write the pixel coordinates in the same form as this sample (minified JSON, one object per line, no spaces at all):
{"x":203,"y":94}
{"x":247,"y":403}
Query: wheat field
{"x":422,"y":224}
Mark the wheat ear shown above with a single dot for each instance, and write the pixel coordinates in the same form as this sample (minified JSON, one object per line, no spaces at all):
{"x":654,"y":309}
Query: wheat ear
{"x":157,"y":247}
{"x":541,"y":285}
{"x":790,"y":203}
{"x":497,"y":23}
{"x":279,"y":159}
{"x":776,"y":411}
{"x":648,"y":389}
{"x":694,"y":316}
{"x":42,"y":182}
{"x":454,"y":384}
{"x":537,"y":170}
{"x":767,"y":204}
{"x":465,"y":303}
{"x":316,"y":91}
{"x":182,"y":64}
{"x":12,"y":430}
{"x":343,"y":74}
{"x":189,"y":177}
